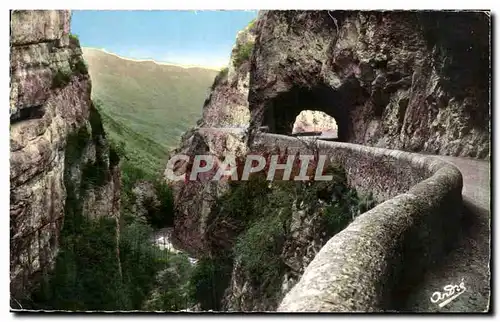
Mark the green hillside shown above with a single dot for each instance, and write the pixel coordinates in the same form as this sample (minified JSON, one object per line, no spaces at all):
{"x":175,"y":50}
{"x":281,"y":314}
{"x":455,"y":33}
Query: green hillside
{"x":137,"y":148}
{"x":146,"y":106}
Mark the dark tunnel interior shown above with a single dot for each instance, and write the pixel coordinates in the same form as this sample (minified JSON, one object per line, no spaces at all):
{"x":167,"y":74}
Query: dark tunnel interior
{"x":280,"y":113}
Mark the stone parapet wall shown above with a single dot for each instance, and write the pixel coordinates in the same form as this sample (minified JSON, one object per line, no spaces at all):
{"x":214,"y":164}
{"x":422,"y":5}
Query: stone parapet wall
{"x":379,"y":256}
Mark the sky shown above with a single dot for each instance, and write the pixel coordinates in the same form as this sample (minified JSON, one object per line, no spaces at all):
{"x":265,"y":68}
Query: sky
{"x":182,"y":37}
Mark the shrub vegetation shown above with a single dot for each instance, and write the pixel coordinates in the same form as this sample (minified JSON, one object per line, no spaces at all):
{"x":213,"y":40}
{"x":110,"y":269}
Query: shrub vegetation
{"x":60,"y":79}
{"x":79,"y":67}
{"x":259,"y":212}
{"x":209,"y":280}
{"x":242,"y":53}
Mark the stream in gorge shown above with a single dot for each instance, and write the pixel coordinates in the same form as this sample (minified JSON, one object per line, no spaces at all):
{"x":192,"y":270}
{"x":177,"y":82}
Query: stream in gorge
{"x":162,"y":239}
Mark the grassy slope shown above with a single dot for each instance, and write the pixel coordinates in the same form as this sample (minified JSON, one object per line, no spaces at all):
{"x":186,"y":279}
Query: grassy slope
{"x":145,"y":105}
{"x":138,"y":148}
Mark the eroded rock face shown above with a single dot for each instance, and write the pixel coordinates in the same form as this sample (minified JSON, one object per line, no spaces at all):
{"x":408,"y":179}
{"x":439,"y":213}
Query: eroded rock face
{"x":194,"y":199}
{"x":402,"y":80}
{"x":56,"y":142}
{"x":225,"y":107}
{"x":315,"y":121}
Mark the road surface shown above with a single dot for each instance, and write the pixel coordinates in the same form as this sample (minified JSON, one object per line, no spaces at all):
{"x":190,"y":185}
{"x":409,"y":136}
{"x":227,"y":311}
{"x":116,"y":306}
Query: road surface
{"x":469,"y":261}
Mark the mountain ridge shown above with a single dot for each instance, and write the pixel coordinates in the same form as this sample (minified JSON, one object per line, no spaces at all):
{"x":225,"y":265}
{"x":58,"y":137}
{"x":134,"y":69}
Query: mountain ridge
{"x":162,"y":63}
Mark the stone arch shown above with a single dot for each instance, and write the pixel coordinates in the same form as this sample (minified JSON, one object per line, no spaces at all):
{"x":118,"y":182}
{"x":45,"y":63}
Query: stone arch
{"x":280,"y":113}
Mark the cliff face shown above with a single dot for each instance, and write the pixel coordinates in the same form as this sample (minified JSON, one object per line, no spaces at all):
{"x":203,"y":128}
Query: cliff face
{"x":59,"y":158}
{"x":225,"y":107}
{"x":402,"y":80}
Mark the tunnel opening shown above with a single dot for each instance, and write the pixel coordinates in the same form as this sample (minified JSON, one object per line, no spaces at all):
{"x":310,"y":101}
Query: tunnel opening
{"x":27,"y":113}
{"x":316,"y":123}
{"x":280,"y":114}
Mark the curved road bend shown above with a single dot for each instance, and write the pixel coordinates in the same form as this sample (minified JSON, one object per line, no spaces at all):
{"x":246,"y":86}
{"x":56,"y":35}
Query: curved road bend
{"x":470,"y":259}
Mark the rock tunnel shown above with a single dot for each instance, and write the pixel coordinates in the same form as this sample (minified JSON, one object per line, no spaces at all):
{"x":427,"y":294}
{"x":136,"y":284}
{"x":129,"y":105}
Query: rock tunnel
{"x":281,"y":112}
